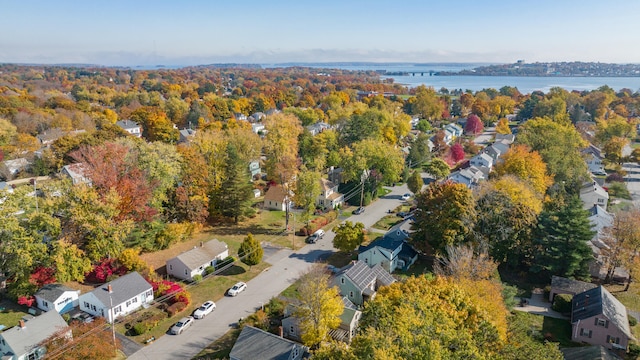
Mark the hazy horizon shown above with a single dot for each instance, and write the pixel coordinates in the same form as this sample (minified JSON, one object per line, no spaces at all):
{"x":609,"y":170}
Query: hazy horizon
{"x":198,"y":32}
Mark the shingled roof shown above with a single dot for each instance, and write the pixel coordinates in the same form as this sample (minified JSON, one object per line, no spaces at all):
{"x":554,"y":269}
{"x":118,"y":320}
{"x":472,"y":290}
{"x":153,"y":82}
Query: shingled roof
{"x":203,"y":254}
{"x":51,"y":292}
{"x":254,"y":343}
{"x":599,"y":301}
{"x":123,"y":289}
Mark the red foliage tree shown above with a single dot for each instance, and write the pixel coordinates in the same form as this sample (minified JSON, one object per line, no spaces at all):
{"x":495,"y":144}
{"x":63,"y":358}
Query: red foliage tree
{"x":113,"y":167}
{"x":104,"y":270}
{"x":474,"y":125}
{"x":457,"y":153}
{"x":26,"y":300}
{"x":42,"y":276}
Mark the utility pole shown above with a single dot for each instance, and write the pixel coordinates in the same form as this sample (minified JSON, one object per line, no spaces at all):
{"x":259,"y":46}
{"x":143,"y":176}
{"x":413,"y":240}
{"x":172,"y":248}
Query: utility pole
{"x":362,"y":178}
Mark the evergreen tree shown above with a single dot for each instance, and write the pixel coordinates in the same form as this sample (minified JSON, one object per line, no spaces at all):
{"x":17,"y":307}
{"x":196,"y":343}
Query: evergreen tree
{"x":415,"y":182}
{"x":250,"y":251}
{"x":561,"y":238}
{"x":233,"y":197}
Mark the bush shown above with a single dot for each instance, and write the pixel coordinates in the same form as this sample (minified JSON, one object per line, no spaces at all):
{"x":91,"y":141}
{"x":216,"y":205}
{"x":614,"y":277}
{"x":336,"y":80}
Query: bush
{"x":547,"y":291}
{"x":634,"y":351}
{"x":183,"y":297}
{"x":562,"y":303}
{"x":275,"y":307}
{"x":632,"y":321}
{"x":209,"y":270}
{"x":176,"y":308}
{"x":197,"y":278}
{"x":139,"y":328}
{"x":615,"y":177}
{"x":226,"y":261}
{"x":619,"y":190}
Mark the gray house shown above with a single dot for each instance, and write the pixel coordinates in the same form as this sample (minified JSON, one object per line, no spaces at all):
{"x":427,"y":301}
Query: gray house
{"x":119,"y":297}
{"x":194,"y":262}
{"x":392,"y":250}
{"x":598,"y":318}
{"x":24,"y":341}
{"x":56,"y":297}
{"x":359,"y":282}
{"x":254,"y":343}
{"x":131,"y":127}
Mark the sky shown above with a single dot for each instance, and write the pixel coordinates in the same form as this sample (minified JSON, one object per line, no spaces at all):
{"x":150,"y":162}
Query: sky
{"x":174,"y":33}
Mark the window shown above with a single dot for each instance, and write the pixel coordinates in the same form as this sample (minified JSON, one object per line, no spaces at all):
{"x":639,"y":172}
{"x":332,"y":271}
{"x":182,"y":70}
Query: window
{"x":351,"y":294}
{"x":128,"y":303}
{"x":366,"y":261}
{"x":186,"y":272}
{"x":585,"y":332}
{"x":134,"y":300}
{"x":292,"y":331}
{"x":295,"y":352}
{"x":93,"y":307}
{"x":601,"y":322}
{"x":87,"y":305}
{"x":601,"y":200}
{"x":341,"y":280}
{"x":118,"y":309}
{"x":170,"y":267}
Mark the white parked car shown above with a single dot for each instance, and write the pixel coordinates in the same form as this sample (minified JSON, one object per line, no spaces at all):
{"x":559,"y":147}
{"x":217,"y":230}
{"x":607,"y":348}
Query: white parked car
{"x":181,"y":325}
{"x":406,"y":196}
{"x":204,"y":310}
{"x":237,"y":289}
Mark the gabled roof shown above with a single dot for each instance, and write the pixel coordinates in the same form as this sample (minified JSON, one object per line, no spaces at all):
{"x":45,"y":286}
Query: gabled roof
{"x":326,"y":184}
{"x":506,"y":138}
{"x":361,"y":275}
{"x":254,"y":343}
{"x":123,"y":289}
{"x":501,"y":145}
{"x":593,"y":187}
{"x":202,"y":254}
{"x":595,"y":352}
{"x":50,"y":135}
{"x":127,"y":124}
{"x":593,"y":150}
{"x":569,"y":285}
{"x":599,"y":301}
{"x":187,"y":132}
{"x":23,"y":340}
{"x":599,"y":218}
{"x":348,"y":304}
{"x":51,"y":292}
{"x":275,"y":193}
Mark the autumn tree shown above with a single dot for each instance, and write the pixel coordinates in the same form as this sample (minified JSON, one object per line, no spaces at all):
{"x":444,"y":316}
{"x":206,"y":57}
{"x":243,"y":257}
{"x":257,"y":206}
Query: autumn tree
{"x":307,"y":190}
{"x":457,"y":153}
{"x":71,"y":262}
{"x":348,"y":236}
{"x":156,"y":126}
{"x":438,"y":168}
{"x":419,"y":152}
{"x":561,"y":241}
{"x":320,"y":306}
{"x":526,"y":165}
{"x":190,"y":200}
{"x":113,"y":168}
{"x":503,"y":126}
{"x":250,"y":251}
{"x":474,"y":125}
{"x":281,"y":147}
{"x":424,"y":318}
{"x":613,"y":149}
{"x":558,"y":145}
{"x":427,"y":103}
{"x":88,"y":341}
{"x":415,"y":182}
{"x":465,"y":262}
{"x":507,"y":211}
{"x":445,"y":216}
{"x":623,"y":242}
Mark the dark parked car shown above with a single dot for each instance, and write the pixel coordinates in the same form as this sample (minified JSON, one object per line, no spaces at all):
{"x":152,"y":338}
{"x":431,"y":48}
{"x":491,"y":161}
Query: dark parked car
{"x":358,"y":211}
{"x":312,"y":239}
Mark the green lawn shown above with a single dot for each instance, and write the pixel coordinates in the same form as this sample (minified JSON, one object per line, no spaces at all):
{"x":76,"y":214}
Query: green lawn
{"x":11,"y":313}
{"x":551,"y":329}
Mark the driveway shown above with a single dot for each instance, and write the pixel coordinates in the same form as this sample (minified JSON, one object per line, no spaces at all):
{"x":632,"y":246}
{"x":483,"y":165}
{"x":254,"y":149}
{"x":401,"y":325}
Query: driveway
{"x":287,"y":267}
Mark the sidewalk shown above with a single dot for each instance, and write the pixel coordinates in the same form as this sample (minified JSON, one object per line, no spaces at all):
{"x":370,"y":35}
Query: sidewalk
{"x":538,"y":305}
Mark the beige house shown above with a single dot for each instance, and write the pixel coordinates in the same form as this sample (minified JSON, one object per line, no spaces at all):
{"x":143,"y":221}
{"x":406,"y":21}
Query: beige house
{"x":329,"y":197}
{"x":592,"y":193}
{"x":194,"y":262}
{"x":276,"y":198}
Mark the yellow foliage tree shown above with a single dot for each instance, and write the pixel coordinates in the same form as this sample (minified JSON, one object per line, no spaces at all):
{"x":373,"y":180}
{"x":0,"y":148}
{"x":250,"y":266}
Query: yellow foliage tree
{"x":526,"y":165}
{"x":519,"y":192}
{"x":320,"y":306}
{"x":503,"y":126}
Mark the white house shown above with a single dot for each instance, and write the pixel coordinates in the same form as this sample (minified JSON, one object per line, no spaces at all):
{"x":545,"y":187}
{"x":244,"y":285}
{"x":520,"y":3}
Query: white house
{"x":593,"y":157}
{"x":131,"y":127}
{"x":194,"y":262}
{"x":470,"y":176}
{"x":454,"y":129}
{"x":16,"y":165}
{"x":482,"y":159}
{"x":186,"y":135}
{"x":23,"y":342}
{"x":329,"y":197}
{"x":592,"y":193}
{"x":117,"y":298}
{"x":56,"y":297}
{"x":318,"y":127}
{"x":275,"y":198}
{"x":257,"y":128}
{"x":77,"y":172}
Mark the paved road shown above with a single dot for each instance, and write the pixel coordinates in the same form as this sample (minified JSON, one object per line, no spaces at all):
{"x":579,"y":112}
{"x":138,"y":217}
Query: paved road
{"x":287,"y":266}
{"x":633,"y":181}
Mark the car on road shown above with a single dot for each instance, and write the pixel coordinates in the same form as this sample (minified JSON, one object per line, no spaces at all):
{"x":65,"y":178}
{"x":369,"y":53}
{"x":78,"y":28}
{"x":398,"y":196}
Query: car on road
{"x":406,"y":196}
{"x":204,"y":310}
{"x":237,"y":289}
{"x":320,"y":233}
{"x":311,"y":239}
{"x":358,"y":211}
{"x":181,"y":325}
{"x":402,"y":214}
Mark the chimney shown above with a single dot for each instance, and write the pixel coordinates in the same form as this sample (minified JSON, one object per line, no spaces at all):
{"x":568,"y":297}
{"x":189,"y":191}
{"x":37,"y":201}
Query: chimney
{"x":280,"y":331}
{"x":22,"y":324}
{"x":109,"y":288}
